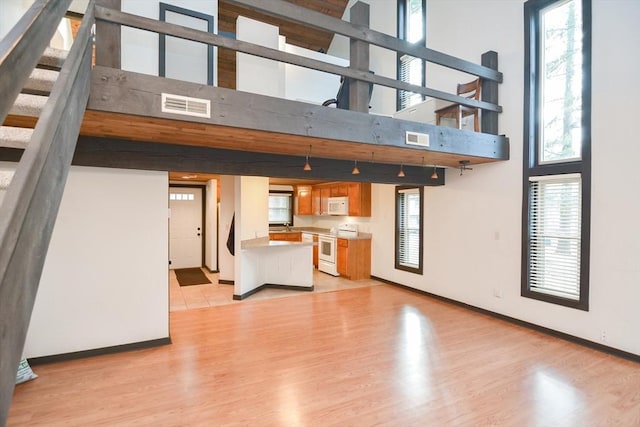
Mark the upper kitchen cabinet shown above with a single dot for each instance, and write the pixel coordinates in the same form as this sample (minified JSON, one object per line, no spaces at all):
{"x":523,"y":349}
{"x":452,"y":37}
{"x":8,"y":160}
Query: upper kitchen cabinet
{"x":304,"y":205}
{"x":359,"y":199}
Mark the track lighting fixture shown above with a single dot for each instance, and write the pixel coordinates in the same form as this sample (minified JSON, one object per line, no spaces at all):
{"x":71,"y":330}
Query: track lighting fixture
{"x":401,"y":172}
{"x":307,"y":166}
{"x":464,"y":166}
{"x":355,"y":170}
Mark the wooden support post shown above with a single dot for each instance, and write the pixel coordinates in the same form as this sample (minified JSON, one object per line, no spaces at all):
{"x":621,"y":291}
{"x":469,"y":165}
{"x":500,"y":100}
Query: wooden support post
{"x":489,"y":93}
{"x":108,"y":39}
{"x":359,"y":60}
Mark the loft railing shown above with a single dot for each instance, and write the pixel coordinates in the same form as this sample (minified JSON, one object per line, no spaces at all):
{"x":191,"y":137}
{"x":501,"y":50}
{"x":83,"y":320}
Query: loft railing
{"x":30,"y":205}
{"x":358,"y":70}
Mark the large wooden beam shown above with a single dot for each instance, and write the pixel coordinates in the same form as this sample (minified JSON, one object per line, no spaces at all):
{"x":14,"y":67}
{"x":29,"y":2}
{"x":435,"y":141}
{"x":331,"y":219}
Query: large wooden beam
{"x":359,"y":60}
{"x":266,"y":124}
{"x":113,"y":153}
{"x":143,"y":23}
{"x":108,"y":49}
{"x":294,"y":13}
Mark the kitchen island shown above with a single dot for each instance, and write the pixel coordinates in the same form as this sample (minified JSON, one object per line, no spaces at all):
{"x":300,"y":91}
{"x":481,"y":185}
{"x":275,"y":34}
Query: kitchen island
{"x":274,"y":264}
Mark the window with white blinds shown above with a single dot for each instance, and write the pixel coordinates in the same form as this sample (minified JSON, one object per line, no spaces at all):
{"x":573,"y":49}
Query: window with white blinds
{"x":555,"y":235}
{"x":410,"y":70}
{"x":281,"y":208}
{"x":412,"y":28}
{"x":409,"y":229}
{"x":556,"y":184}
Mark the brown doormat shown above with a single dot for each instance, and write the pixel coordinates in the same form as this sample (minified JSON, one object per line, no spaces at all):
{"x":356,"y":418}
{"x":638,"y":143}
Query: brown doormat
{"x":191,"y":276}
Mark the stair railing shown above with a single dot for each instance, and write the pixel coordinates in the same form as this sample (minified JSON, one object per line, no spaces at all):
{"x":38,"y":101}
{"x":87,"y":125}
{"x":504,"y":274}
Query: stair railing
{"x":30,"y":205}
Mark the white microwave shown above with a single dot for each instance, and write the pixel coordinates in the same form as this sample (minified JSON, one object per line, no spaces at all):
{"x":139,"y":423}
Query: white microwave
{"x":338,"y":206}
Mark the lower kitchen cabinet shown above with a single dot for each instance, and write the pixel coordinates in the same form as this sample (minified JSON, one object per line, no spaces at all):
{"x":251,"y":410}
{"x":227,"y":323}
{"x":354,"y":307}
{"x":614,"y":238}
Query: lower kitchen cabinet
{"x":290,"y":236}
{"x":315,"y":251}
{"x":354,"y":258}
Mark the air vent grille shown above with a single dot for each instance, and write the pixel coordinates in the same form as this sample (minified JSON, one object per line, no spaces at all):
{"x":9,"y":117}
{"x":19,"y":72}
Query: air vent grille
{"x":178,"y":104}
{"x":415,"y":138}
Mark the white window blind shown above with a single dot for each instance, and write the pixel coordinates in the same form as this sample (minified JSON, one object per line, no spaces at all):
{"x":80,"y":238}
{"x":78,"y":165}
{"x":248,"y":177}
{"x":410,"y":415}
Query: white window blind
{"x":409,"y":228}
{"x":280,"y":206}
{"x":411,"y":72}
{"x":555,"y":235}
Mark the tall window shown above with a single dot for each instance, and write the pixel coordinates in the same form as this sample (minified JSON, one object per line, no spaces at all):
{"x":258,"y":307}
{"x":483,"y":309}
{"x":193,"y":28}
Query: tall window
{"x":409,"y":229}
{"x":557,"y":155}
{"x":281,"y":208}
{"x":412,"y":28}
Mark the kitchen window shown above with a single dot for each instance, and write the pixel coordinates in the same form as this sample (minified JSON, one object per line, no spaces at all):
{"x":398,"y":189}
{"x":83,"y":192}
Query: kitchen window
{"x":412,"y":28}
{"x":281,"y":208}
{"x":557,"y":154}
{"x":409,"y":220}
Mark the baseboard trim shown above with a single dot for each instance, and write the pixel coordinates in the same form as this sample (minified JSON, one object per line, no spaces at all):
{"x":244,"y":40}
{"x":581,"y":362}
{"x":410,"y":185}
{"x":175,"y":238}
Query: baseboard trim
{"x":226,"y":282}
{"x":64,"y":357}
{"x":272,"y":286}
{"x":567,"y":337}
{"x":213,"y":271}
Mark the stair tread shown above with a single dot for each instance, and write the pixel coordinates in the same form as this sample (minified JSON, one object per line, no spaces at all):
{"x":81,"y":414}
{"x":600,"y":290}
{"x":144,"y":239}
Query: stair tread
{"x":53,"y":58}
{"x":13,"y":137}
{"x":28,"y":105}
{"x":41,"y":80}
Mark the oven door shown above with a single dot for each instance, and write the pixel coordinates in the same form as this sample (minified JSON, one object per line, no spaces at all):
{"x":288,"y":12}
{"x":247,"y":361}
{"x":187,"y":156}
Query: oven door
{"x":327,"y":249}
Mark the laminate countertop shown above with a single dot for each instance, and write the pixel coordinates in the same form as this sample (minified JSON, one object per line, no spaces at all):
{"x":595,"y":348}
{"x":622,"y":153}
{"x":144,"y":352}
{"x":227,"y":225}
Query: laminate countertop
{"x":321,"y":231}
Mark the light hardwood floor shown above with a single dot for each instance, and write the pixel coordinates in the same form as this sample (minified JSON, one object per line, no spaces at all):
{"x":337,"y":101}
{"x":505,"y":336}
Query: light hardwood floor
{"x":376,"y":355}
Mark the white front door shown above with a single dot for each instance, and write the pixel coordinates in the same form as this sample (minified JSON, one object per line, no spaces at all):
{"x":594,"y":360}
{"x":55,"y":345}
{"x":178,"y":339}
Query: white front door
{"x":185,"y":227}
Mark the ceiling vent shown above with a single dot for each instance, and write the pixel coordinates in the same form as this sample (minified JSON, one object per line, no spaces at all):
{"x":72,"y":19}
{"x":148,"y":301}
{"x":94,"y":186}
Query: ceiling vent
{"x":177,"y":104}
{"x":415,"y":138}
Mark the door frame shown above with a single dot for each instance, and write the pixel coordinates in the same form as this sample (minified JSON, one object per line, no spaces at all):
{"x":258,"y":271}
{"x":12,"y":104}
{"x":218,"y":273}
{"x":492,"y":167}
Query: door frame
{"x":203,"y":212}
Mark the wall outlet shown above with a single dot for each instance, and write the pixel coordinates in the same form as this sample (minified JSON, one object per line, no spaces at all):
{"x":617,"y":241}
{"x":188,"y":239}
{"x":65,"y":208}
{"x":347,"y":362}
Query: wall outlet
{"x":603,"y":336}
{"x":497,"y":293}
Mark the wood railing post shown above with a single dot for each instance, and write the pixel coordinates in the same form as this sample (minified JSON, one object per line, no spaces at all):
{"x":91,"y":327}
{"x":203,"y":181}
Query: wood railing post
{"x":108,"y":39}
{"x":489,"y":119}
{"x":359,"y":60}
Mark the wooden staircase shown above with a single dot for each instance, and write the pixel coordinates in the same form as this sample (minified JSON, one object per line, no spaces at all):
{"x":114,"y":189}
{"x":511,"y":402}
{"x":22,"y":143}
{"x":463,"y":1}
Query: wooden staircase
{"x":44,"y":96}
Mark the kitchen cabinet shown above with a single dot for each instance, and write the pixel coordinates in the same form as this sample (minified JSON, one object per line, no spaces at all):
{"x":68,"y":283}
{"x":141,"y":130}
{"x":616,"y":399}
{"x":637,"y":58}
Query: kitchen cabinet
{"x":359,"y":199}
{"x":354,"y":258}
{"x":320,"y":199}
{"x":339,"y":189}
{"x":289,"y":236}
{"x":304,"y":198}
{"x":359,"y":194}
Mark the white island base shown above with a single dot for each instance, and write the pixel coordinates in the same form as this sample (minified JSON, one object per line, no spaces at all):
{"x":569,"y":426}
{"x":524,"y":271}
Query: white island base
{"x":264,"y":263}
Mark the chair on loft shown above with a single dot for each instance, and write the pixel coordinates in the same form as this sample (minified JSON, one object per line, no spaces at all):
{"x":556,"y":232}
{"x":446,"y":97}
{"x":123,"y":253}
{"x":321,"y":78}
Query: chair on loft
{"x":342,"y":98}
{"x":458,"y":112}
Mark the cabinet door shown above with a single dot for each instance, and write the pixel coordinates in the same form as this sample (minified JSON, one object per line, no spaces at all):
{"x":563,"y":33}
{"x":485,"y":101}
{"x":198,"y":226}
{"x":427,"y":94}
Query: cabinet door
{"x":315,"y":201}
{"x":304,"y":197}
{"x":343,"y":257}
{"x":339,"y":190}
{"x":359,"y":199}
{"x":324,"y":200}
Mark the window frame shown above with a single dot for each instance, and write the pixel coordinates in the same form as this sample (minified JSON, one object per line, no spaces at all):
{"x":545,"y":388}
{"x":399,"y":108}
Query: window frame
{"x":398,"y":190}
{"x":532,"y":167}
{"x":402,"y":35}
{"x":290,"y":222}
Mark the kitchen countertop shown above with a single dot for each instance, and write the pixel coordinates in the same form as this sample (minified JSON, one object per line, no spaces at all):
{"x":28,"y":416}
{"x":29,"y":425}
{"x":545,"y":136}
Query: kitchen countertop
{"x":264,"y":242}
{"x":322,"y":231}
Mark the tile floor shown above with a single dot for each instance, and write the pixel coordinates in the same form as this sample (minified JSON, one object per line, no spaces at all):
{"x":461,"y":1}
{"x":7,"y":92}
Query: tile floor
{"x":213,"y":294}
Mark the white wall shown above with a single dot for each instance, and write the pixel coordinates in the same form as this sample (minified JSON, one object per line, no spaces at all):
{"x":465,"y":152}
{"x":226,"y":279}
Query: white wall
{"x":254,"y":74}
{"x":105,"y":279}
{"x":140,"y":48}
{"x":473,"y":224}
{"x":252,"y":221}
{"x":211,"y":226}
